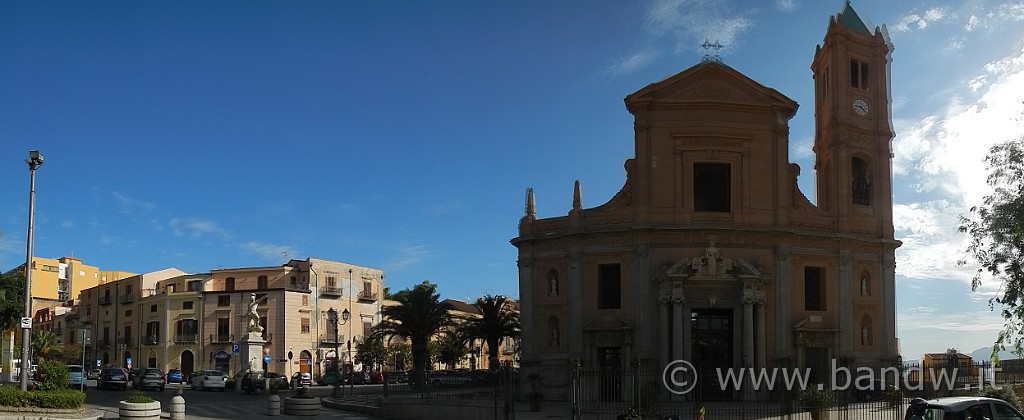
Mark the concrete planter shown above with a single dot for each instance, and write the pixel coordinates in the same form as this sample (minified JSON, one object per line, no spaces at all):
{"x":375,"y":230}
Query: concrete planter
{"x":139,"y":411}
{"x":302,"y":406}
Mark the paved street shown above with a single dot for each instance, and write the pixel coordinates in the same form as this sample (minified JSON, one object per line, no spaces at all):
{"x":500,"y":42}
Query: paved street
{"x":203,"y":405}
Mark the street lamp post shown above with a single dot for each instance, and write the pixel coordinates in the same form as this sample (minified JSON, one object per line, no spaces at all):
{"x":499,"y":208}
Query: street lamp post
{"x":85,"y":369}
{"x":332,"y":318}
{"x":34,"y":161}
{"x":348,"y":340}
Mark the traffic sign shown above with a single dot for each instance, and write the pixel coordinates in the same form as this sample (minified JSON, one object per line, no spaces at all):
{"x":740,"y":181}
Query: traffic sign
{"x":26,"y":322}
{"x":235,"y":348}
{"x":266,"y":358}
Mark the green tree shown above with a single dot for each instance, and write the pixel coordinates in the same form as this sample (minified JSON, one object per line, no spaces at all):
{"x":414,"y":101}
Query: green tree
{"x":996,"y":230}
{"x":371,"y":352}
{"x":498,"y":319}
{"x":451,"y":347}
{"x":398,"y":356}
{"x":44,"y":343}
{"x":12,"y":299}
{"x":418,"y":315}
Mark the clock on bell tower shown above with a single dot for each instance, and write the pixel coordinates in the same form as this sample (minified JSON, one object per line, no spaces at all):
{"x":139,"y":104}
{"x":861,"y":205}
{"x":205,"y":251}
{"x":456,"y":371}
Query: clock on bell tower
{"x":853,"y":128}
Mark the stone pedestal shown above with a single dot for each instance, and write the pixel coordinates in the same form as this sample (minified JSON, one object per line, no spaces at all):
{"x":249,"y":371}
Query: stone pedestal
{"x":251,"y":352}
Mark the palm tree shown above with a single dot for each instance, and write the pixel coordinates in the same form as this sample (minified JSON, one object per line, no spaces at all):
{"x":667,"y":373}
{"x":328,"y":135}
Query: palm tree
{"x":418,"y":316}
{"x":44,"y":342}
{"x":497,"y":320}
{"x":451,"y":347}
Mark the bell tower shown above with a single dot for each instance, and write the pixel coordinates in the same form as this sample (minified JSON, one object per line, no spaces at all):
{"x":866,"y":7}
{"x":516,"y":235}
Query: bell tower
{"x":853,"y":127}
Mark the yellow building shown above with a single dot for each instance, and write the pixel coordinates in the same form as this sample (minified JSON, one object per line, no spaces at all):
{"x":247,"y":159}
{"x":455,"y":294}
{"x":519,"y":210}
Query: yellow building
{"x":55,"y":281}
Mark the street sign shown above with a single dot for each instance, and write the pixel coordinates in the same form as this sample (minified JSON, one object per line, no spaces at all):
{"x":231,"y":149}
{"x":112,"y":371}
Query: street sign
{"x":235,"y":348}
{"x":97,"y":362}
{"x":128,"y":361}
{"x":26,"y":322}
{"x":266,"y":358}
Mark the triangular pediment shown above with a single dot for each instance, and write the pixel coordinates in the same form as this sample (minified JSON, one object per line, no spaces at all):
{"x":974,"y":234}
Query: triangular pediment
{"x":707,"y":83}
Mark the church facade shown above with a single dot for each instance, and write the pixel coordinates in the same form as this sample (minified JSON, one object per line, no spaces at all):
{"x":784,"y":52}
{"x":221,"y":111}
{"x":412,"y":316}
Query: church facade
{"x":710,"y":252}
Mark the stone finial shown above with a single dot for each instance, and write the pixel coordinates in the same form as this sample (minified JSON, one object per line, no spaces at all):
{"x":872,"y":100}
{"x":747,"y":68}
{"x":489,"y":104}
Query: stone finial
{"x":531,"y":209}
{"x":577,"y":201}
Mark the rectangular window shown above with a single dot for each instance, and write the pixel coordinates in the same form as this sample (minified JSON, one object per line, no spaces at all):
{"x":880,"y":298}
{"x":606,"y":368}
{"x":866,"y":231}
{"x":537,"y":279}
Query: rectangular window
{"x":128,"y":335}
{"x":305,"y":300}
{"x":127,"y":313}
{"x":814,"y":289}
{"x":152,"y":308}
{"x":305,"y":325}
{"x":186,"y":305}
{"x":859,"y":74}
{"x":224,"y":300}
{"x":367,"y":328}
{"x":609,"y":286}
{"x":195,"y":286}
{"x":711,"y":187}
{"x":223,"y":329}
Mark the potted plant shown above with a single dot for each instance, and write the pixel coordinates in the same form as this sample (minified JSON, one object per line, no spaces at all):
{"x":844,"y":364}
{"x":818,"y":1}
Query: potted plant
{"x":817,"y":399}
{"x":301,"y":403}
{"x":536,"y":394}
{"x":138,"y":405}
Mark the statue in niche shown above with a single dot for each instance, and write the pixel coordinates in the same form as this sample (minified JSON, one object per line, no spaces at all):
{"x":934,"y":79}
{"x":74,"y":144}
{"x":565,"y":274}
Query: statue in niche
{"x":553,"y":285}
{"x":865,"y":286}
{"x":865,"y":336}
{"x":554,"y":336}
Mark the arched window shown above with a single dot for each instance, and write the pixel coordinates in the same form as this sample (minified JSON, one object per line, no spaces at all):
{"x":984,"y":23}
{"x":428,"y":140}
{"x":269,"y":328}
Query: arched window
{"x":552,"y":282}
{"x":555,"y":339}
{"x":229,"y":284}
{"x":861,"y":175}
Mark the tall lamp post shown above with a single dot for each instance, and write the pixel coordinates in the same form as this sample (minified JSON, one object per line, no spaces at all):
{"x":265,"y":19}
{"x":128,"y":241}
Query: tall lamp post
{"x":332,"y":318}
{"x":34,"y":161}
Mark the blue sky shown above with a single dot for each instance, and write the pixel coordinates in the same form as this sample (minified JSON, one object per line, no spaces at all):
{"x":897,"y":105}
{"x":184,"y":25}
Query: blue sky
{"x":402,"y":135}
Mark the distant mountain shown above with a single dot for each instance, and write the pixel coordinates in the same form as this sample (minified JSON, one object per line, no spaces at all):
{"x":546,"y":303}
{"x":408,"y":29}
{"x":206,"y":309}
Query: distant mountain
{"x":985,"y":353}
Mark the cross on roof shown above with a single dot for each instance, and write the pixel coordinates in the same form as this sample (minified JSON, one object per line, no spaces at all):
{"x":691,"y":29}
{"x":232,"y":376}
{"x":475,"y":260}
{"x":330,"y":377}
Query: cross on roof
{"x":708,"y":46}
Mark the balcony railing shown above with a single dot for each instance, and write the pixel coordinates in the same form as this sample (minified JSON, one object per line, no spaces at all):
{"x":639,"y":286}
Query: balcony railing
{"x":186,"y":338}
{"x":128,"y":298}
{"x":330,"y":290}
{"x":151,"y":339}
{"x":222,"y":338}
{"x":330,"y":340}
{"x":104,"y":300}
{"x":368,"y":295}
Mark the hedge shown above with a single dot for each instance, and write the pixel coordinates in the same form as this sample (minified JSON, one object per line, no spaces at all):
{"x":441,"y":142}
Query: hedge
{"x":61,"y":398}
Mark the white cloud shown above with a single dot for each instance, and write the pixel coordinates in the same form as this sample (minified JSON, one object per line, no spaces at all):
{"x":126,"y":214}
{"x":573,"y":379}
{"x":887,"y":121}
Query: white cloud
{"x":921,"y":20}
{"x":409,"y":256}
{"x":129,"y":205}
{"x":270,"y":252}
{"x":67,"y":224}
{"x":636,"y":61}
{"x":196,"y":228}
{"x":690,"y":22}
{"x":787,"y":5}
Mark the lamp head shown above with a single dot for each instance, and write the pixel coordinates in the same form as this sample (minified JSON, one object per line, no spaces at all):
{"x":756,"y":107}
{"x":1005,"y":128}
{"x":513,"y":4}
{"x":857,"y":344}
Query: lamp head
{"x":35,"y":159}
{"x":345,"y":315}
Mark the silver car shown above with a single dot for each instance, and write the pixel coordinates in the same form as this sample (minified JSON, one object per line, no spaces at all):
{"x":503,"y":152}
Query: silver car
{"x":77,"y":376}
{"x":209,"y":379}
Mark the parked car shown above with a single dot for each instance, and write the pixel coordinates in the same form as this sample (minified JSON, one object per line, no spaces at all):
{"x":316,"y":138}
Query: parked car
{"x":275,"y":375}
{"x":77,"y":377}
{"x":150,"y":378}
{"x":113,"y":378}
{"x":376,"y":377}
{"x":301,"y":379}
{"x":95,"y":374}
{"x":174,"y":376}
{"x":448,"y":378}
{"x":396,"y":377}
{"x":251,"y":382}
{"x":962,"y":408}
{"x":331,"y":377}
{"x":359,"y":378}
{"x":209,"y":379}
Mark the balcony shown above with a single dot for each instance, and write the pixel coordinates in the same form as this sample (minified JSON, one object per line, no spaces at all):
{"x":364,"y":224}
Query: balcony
{"x":128,"y":298}
{"x":151,"y":340}
{"x":104,"y":342}
{"x":222,"y":338}
{"x":330,"y":291}
{"x":331,"y":340}
{"x":104,"y":300}
{"x":367,"y":296}
{"x":186,"y":338}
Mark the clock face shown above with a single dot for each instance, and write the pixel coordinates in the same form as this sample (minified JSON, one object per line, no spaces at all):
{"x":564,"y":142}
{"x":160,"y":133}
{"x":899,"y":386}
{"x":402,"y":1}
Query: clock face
{"x":860,"y":106}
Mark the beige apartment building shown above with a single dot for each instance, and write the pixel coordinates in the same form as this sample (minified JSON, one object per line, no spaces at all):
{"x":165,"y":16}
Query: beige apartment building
{"x":710,"y":252}
{"x":294,"y":300}
{"x":169,"y":324}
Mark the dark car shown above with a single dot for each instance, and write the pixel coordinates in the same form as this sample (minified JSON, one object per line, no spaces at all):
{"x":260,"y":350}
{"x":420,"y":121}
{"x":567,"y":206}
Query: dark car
{"x":961,"y":408}
{"x":396,"y":377}
{"x":151,"y":378}
{"x":331,"y":377}
{"x":174,"y":376}
{"x":301,"y":379}
{"x":113,"y":378}
{"x":359,"y":378}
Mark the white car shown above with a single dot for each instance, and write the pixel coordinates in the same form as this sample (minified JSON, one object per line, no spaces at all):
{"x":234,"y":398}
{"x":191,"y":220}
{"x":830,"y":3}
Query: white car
{"x":77,"y":376}
{"x":208,"y":379}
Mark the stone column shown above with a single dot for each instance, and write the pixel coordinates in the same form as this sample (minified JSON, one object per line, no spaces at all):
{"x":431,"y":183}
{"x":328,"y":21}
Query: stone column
{"x":846,"y":321}
{"x":576,"y":300}
{"x":748,"y":331}
{"x":665,"y":331}
{"x":783,"y":289}
{"x":678,"y":342}
{"x":526,"y":312}
{"x":762,"y":345}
